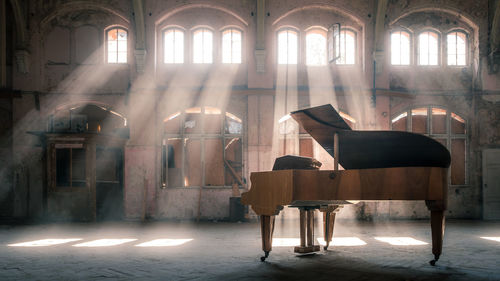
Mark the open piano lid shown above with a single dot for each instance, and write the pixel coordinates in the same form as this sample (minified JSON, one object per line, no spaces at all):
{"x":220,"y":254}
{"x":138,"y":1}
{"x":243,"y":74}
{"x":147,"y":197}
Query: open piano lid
{"x":370,"y":149}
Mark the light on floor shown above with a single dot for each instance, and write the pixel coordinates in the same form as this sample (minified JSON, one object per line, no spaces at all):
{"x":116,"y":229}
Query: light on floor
{"x":286,"y":242}
{"x":401,"y":241}
{"x":44,"y":242}
{"x":492,"y":238}
{"x":343,"y":241}
{"x":163,"y":242}
{"x":104,"y":243}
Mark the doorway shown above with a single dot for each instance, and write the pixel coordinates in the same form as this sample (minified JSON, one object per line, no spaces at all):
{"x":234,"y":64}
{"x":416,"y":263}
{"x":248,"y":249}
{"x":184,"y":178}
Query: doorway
{"x":491,"y":184}
{"x":109,"y":183}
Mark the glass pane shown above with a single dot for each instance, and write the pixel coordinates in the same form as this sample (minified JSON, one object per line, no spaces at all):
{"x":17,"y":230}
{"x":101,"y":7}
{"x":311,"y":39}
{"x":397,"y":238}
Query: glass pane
{"x":78,"y":167}
{"x":233,"y":154}
{"x":198,"y":46}
{"x":226,"y":46}
{"x":236,"y":48}
{"x":173,"y":123}
{"x":168,"y":46}
{"x":112,"y":46}
{"x":212,"y":120}
{"x":316,"y":48}
{"x":192,"y":167}
{"x":399,"y":123}
{"x":178,"y":47}
{"x":287,"y":47}
{"x":419,"y":120}
{"x":350,"y":48}
{"x":63,"y":159}
{"x":233,"y":124}
{"x":306,"y":147}
{"x":207,"y":46}
{"x":396,"y":48}
{"x":457,"y":161}
{"x":214,"y":163}
{"x":192,"y":125}
{"x":438,"y":121}
{"x":173,"y":162}
{"x":112,"y":57}
{"x":113,"y":35}
{"x":405,"y":48}
{"x":122,"y":57}
{"x":122,"y":46}
{"x":457,"y":124}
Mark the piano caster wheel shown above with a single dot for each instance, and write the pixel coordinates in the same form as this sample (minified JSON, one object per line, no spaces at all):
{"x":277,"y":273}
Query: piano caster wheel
{"x":433,"y":262}
{"x":266,"y":254}
{"x":325,"y":248}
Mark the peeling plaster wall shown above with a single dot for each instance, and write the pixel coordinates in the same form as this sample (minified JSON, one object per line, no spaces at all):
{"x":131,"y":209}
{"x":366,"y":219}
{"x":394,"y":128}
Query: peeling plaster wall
{"x":61,"y":74}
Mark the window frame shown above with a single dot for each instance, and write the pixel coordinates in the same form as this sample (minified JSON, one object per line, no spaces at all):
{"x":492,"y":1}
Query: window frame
{"x":448,"y":136}
{"x":298,"y":34}
{"x":193,"y":33}
{"x":467,"y":48}
{"x":439,"y":48}
{"x":411,"y":56}
{"x":202,"y":137}
{"x":221,"y":49}
{"x":106,"y":47}
{"x":184,"y":50}
{"x":322,"y":31}
{"x":356,"y":51}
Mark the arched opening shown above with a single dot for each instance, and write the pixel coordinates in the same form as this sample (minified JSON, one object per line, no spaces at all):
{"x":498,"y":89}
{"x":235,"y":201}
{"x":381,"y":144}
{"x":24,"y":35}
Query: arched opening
{"x":84,"y":146}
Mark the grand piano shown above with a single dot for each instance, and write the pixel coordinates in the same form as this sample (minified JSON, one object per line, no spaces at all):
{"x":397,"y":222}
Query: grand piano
{"x":378,"y":165}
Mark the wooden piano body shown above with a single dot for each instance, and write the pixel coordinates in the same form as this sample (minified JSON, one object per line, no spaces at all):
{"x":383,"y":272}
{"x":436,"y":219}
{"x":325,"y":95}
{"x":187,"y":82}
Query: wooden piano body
{"x":379,"y":165}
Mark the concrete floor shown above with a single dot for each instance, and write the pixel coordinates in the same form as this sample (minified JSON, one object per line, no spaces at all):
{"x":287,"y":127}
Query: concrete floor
{"x":231,"y":251}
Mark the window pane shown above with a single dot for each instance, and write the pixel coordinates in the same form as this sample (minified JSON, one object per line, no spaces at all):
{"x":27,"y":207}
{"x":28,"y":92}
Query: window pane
{"x":457,"y":124}
{"x":122,"y":46}
{"x":192,"y":125}
{"x":399,"y":123}
{"x":192,"y":167}
{"x":202,"y":46}
{"x":233,"y":124}
{"x":233,"y":154}
{"x":316,"y":48}
{"x":419,"y":120}
{"x":122,"y":57}
{"x":231,"y":46}
{"x":212,"y":120}
{"x":173,"y":46}
{"x":456,"y":48}
{"x":287,"y":47}
{"x":346,"y":47}
{"x":173,"y":123}
{"x":438,"y":121}
{"x":62,"y":167}
{"x":458,"y":161}
{"x":214,"y":163}
{"x":112,"y":57}
{"x":400,"y":48}
{"x":172,"y":162}
{"x":428,"y":48}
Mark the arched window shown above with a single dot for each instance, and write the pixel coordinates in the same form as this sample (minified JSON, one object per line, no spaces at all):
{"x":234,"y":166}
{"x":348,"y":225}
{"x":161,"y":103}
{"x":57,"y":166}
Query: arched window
{"x":428,"y":48}
{"x":202,"y":45}
{"x":446,"y":127}
{"x":456,"y":48}
{"x":287,"y":47}
{"x":231,"y":46}
{"x":116,"y":44}
{"x":316,"y":47}
{"x":202,"y":146}
{"x":400,"y":48}
{"x":346,"y":45}
{"x":173,"y":45}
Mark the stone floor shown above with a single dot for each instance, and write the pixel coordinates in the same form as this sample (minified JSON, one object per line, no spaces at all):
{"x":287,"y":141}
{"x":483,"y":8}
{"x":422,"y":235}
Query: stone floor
{"x":231,"y":251}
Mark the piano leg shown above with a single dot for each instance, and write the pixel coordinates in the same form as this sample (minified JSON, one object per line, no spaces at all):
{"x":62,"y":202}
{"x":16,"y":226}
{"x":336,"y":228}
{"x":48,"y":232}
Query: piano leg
{"x":328,"y":224}
{"x":437,"y":228}
{"x":266,"y":230}
{"x":306,"y":232}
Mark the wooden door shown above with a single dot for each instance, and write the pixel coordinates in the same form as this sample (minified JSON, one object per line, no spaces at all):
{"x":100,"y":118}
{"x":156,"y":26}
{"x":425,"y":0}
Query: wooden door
{"x":491,"y":184}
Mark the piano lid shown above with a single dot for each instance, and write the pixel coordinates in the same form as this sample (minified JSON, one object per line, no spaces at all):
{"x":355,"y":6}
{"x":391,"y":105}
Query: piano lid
{"x":370,"y":149}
